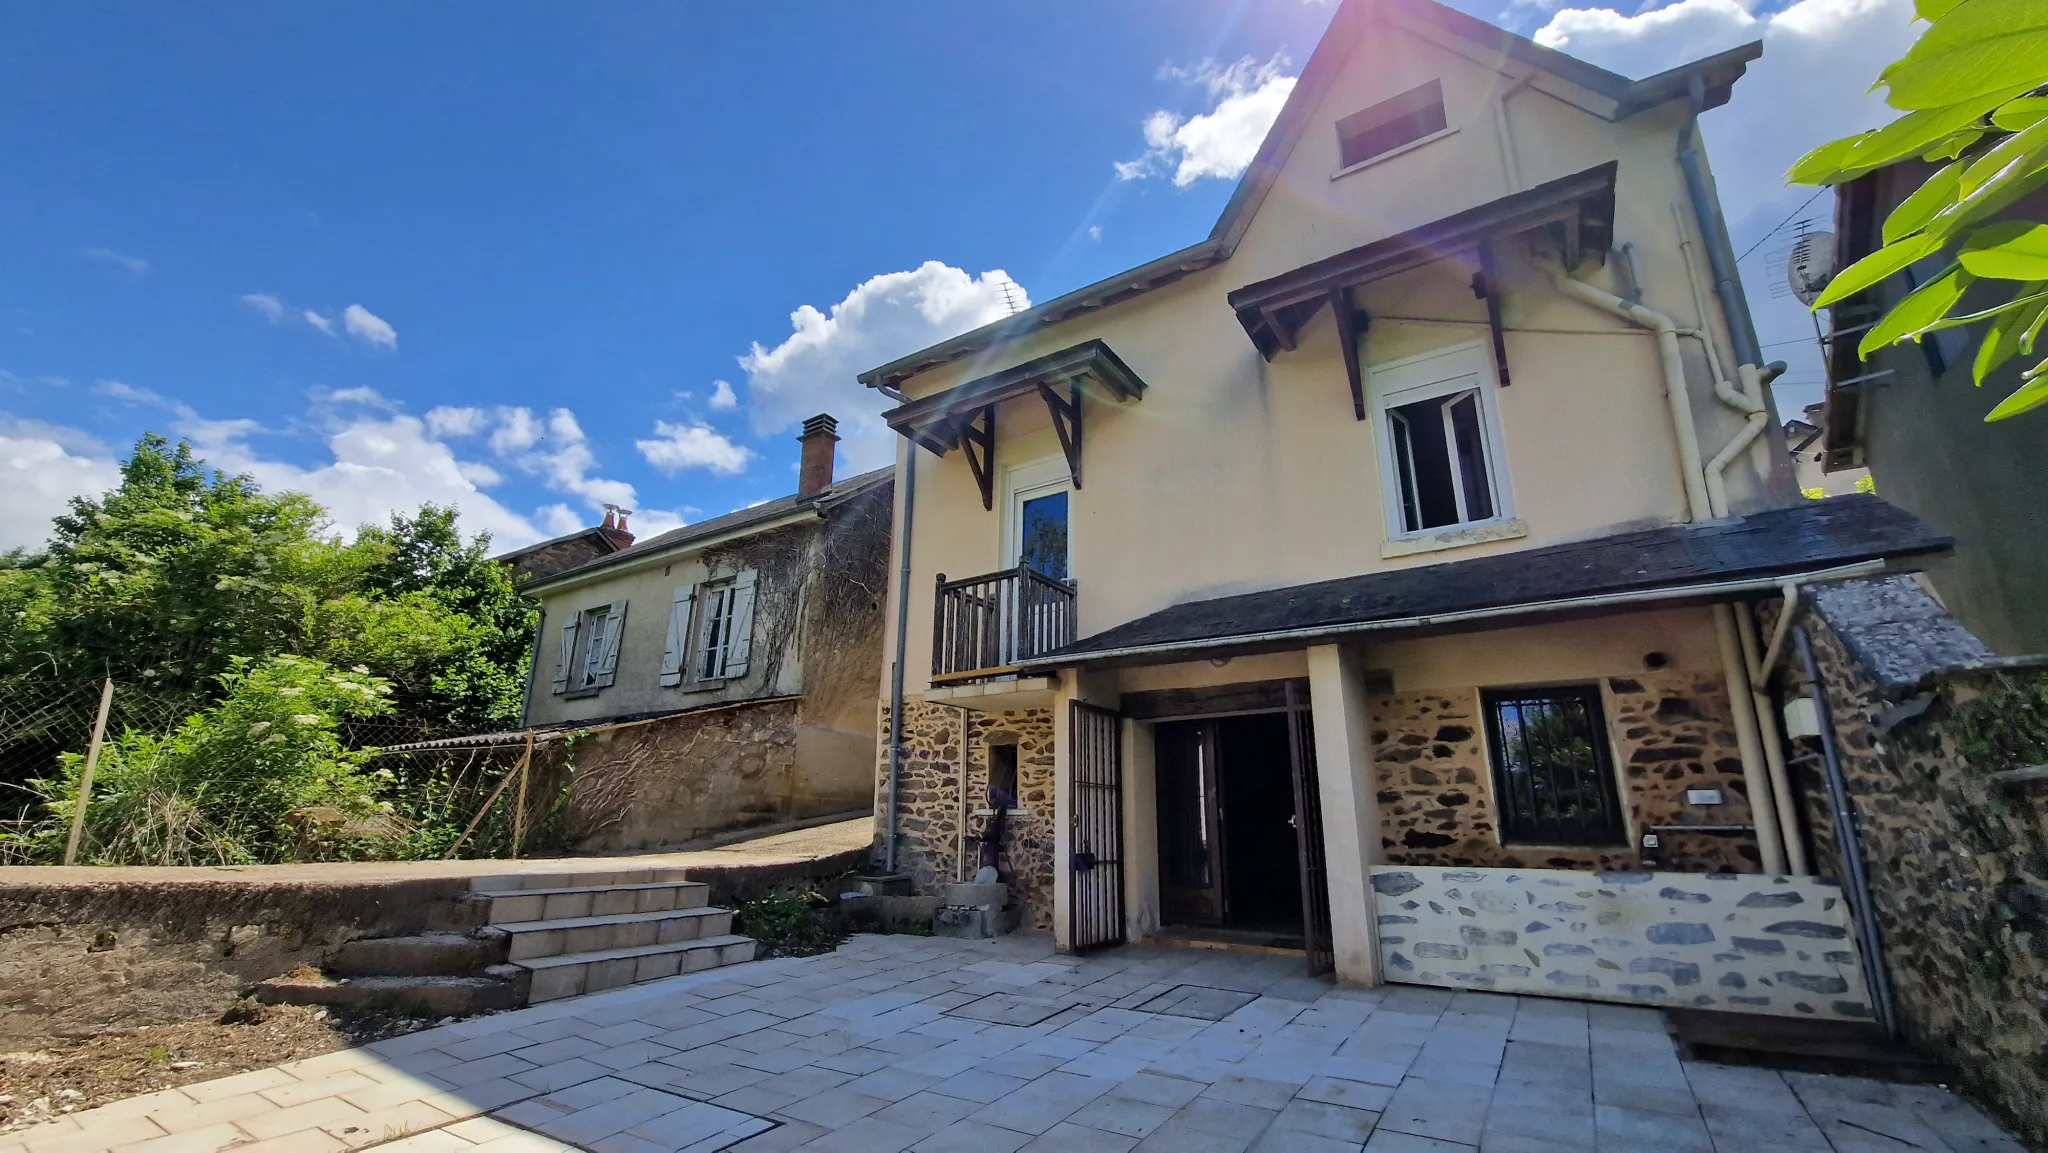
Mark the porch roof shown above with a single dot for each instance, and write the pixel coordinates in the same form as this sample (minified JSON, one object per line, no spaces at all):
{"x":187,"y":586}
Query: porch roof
{"x":1579,"y":206}
{"x":1691,"y":563}
{"x":936,"y":421}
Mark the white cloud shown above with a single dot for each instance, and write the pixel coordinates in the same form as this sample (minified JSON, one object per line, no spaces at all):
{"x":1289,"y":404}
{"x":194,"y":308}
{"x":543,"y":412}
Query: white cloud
{"x":368,"y":327}
{"x":813,"y":370}
{"x":675,"y":447}
{"x":451,"y":421}
{"x":1095,"y":232}
{"x":132,"y":265}
{"x":722,"y":396}
{"x":318,"y":321}
{"x":1819,"y":57}
{"x":517,"y":431}
{"x":42,"y":467}
{"x":1245,"y":99}
{"x":268,"y":306}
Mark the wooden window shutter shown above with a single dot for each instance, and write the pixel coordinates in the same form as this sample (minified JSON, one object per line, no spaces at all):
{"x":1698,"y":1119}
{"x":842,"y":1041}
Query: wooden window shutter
{"x":607,"y":662}
{"x":740,"y":633}
{"x":565,"y":661}
{"x":678,"y":650}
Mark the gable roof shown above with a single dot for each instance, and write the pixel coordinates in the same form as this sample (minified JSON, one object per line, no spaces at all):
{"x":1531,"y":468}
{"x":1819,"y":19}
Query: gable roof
{"x":1698,"y":561}
{"x":1603,"y":93}
{"x":762,"y":517}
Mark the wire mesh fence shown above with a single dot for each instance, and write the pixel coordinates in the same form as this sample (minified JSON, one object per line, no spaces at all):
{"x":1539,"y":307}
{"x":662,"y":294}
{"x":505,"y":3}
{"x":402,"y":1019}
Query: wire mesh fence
{"x":206,"y":782}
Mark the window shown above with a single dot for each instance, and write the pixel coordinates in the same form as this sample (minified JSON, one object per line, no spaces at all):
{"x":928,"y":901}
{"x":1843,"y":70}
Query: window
{"x":1002,"y":776}
{"x":1439,"y":443}
{"x":1035,"y":524}
{"x":710,"y":632}
{"x":1553,"y":781}
{"x":1045,"y":535}
{"x":588,"y":660}
{"x":1388,"y":125}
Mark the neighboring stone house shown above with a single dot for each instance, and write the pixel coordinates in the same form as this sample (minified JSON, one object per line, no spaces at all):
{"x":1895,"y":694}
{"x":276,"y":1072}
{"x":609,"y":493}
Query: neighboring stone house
{"x":573,"y":550}
{"x":1377,"y":577}
{"x":724,"y":670}
{"x":1911,"y":415}
{"x":1804,"y":438}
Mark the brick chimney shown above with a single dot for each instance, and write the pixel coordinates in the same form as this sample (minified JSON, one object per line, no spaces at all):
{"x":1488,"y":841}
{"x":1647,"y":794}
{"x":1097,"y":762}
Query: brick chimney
{"x":814,"y":475}
{"x":614,"y":526}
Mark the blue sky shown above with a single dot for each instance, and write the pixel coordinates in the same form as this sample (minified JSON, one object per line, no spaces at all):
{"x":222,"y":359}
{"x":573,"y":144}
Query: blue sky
{"x":503,"y":254}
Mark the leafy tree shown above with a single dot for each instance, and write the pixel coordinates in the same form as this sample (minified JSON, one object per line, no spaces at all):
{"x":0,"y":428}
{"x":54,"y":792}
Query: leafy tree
{"x":225,"y":786}
{"x":1971,"y":90}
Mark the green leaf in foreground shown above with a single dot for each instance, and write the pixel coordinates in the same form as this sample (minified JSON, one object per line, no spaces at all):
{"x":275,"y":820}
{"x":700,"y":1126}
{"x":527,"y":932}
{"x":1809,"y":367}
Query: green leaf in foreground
{"x":1876,"y":267}
{"x":1924,"y":307}
{"x":2002,"y":339}
{"x":2026,"y":397}
{"x":1938,"y":192}
{"x":2008,"y":250}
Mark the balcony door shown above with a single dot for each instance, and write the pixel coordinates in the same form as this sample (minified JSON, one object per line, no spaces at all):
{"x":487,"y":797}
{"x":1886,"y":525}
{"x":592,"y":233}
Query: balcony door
{"x":1035,"y":517}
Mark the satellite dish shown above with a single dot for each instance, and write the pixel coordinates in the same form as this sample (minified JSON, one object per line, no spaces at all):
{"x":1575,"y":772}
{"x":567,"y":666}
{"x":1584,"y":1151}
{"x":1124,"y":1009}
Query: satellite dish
{"x":1811,"y":265}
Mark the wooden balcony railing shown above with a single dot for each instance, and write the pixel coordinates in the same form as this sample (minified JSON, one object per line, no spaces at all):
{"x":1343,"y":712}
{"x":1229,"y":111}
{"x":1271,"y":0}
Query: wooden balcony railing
{"x":986,"y":626}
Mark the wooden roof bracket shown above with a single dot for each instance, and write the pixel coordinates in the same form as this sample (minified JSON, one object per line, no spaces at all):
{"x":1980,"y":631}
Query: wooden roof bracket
{"x":1486,"y":286}
{"x":980,"y":446}
{"x":1066,"y":423}
{"x":1351,"y":325}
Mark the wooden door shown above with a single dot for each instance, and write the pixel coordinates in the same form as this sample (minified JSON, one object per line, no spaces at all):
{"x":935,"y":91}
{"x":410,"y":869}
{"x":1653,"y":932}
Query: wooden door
{"x":1190,"y":832}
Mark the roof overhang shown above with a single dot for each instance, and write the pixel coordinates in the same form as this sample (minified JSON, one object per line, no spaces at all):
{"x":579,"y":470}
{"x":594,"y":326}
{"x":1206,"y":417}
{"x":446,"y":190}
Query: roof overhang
{"x":937,"y":422}
{"x":605,"y":568}
{"x":1578,"y":209}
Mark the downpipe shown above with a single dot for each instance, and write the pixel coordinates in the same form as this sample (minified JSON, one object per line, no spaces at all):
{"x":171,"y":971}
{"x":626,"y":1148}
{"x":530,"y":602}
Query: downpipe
{"x":902,"y":648}
{"x":1862,"y":909}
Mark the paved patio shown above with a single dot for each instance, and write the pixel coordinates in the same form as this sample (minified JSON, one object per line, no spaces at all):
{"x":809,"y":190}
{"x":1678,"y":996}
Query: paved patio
{"x":938,"y":1046}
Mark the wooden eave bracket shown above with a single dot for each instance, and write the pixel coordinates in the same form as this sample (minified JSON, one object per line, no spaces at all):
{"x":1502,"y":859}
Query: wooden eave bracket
{"x":1066,"y":423}
{"x":1351,"y":325}
{"x":980,"y":446}
{"x":1486,"y":286}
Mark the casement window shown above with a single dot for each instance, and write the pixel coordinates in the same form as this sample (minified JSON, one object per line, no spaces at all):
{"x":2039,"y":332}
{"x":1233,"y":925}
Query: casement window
{"x":1553,"y":777}
{"x":588,"y":660}
{"x":1413,"y":115}
{"x":710,"y":633}
{"x":1440,"y":447}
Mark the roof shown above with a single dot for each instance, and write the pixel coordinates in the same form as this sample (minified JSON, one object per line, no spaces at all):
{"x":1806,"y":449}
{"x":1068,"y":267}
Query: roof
{"x":1273,"y":310}
{"x":595,"y":534}
{"x":933,"y":421}
{"x":1616,"y":97}
{"x":757,"y":517}
{"x":1804,"y":538}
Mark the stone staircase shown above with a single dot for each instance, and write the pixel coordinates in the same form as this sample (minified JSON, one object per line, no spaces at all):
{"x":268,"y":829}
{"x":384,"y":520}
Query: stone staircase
{"x":538,"y":937}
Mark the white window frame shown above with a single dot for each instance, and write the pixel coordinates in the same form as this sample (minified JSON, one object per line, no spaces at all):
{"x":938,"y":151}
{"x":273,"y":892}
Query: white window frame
{"x":1026,"y":482}
{"x":716,"y":601}
{"x":1440,"y":372}
{"x":589,"y":659}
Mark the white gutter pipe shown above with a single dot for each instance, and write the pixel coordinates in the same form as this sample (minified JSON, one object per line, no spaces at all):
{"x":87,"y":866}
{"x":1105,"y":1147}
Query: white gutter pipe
{"x":1767,"y":721}
{"x":1700,"y":505}
{"x":1507,"y":139}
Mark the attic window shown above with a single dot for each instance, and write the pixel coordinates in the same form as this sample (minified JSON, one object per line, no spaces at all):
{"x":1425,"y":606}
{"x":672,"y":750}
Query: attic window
{"x":1405,"y":119}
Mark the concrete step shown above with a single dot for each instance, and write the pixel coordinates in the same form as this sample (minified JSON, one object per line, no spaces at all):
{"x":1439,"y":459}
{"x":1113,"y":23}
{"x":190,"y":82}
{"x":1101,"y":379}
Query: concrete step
{"x":574,"y":974}
{"x":424,"y":955}
{"x":577,"y":879}
{"x":531,"y":939}
{"x":512,"y":906}
{"x":498,"y":987}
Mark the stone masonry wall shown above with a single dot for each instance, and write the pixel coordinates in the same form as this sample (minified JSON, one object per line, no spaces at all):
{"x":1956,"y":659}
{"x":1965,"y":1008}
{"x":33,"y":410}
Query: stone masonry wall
{"x":929,"y":799}
{"x":1958,"y":864}
{"x":1671,"y":731}
{"x":682,"y":778}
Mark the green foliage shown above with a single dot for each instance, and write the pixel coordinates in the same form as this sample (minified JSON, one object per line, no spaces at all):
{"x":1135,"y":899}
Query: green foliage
{"x":224,"y":786}
{"x":2004,"y":727}
{"x":787,"y":925}
{"x":1967,"y":90}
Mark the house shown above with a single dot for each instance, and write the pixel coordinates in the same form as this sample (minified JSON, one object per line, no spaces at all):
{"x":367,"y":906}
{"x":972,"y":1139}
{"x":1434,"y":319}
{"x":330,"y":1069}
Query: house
{"x":570,"y":550}
{"x":1912,"y":417}
{"x":723,"y":670}
{"x":1804,"y":440}
{"x":1370,"y":575}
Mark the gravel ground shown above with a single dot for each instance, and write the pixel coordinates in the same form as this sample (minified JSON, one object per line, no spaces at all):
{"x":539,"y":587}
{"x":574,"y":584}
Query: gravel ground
{"x":69,"y":1075}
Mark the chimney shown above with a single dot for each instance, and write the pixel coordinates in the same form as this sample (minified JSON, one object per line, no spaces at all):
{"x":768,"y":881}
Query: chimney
{"x":814,"y":475}
{"x":614,"y":527}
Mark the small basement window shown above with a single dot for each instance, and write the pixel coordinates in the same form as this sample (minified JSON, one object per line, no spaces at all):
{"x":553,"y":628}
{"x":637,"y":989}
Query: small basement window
{"x":1002,"y":776}
{"x":1388,"y":125}
{"x":1553,"y":781}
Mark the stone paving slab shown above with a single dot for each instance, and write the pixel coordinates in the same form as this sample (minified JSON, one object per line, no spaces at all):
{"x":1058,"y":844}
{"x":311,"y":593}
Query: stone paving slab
{"x":930,"y":1045}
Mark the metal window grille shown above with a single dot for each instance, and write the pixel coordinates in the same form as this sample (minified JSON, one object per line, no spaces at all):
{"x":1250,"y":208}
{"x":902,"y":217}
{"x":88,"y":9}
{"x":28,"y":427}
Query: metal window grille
{"x":1552,"y":774}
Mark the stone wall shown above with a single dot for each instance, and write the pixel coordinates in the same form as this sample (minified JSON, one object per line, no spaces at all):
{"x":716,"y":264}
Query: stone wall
{"x":1671,"y":732}
{"x":929,"y":821}
{"x":1958,"y":863}
{"x":1749,"y":944}
{"x":697,"y":775}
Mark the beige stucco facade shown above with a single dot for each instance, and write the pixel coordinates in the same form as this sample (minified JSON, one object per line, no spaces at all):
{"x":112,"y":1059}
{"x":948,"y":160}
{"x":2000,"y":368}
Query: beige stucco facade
{"x":1233,"y":473}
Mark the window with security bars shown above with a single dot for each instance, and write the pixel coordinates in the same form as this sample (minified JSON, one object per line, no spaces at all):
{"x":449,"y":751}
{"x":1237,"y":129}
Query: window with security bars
{"x":1553,"y":779}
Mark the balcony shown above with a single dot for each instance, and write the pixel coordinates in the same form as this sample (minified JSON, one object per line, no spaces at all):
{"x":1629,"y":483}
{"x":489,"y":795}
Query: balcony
{"x":984,"y":627}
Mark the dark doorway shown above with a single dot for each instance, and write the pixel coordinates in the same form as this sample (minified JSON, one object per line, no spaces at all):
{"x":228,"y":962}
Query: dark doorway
{"x":1229,"y":854}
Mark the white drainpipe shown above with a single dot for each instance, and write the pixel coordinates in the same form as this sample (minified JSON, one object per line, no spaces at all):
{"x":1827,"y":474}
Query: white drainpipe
{"x":1700,"y":505}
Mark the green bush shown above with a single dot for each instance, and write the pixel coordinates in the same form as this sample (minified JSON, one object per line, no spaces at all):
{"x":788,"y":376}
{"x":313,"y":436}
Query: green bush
{"x":788,"y":925}
{"x":248,"y":779}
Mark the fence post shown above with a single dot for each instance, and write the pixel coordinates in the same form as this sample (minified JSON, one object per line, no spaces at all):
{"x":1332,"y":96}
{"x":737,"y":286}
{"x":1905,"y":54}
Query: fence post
{"x":519,"y":812}
{"x":92,"y":759}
